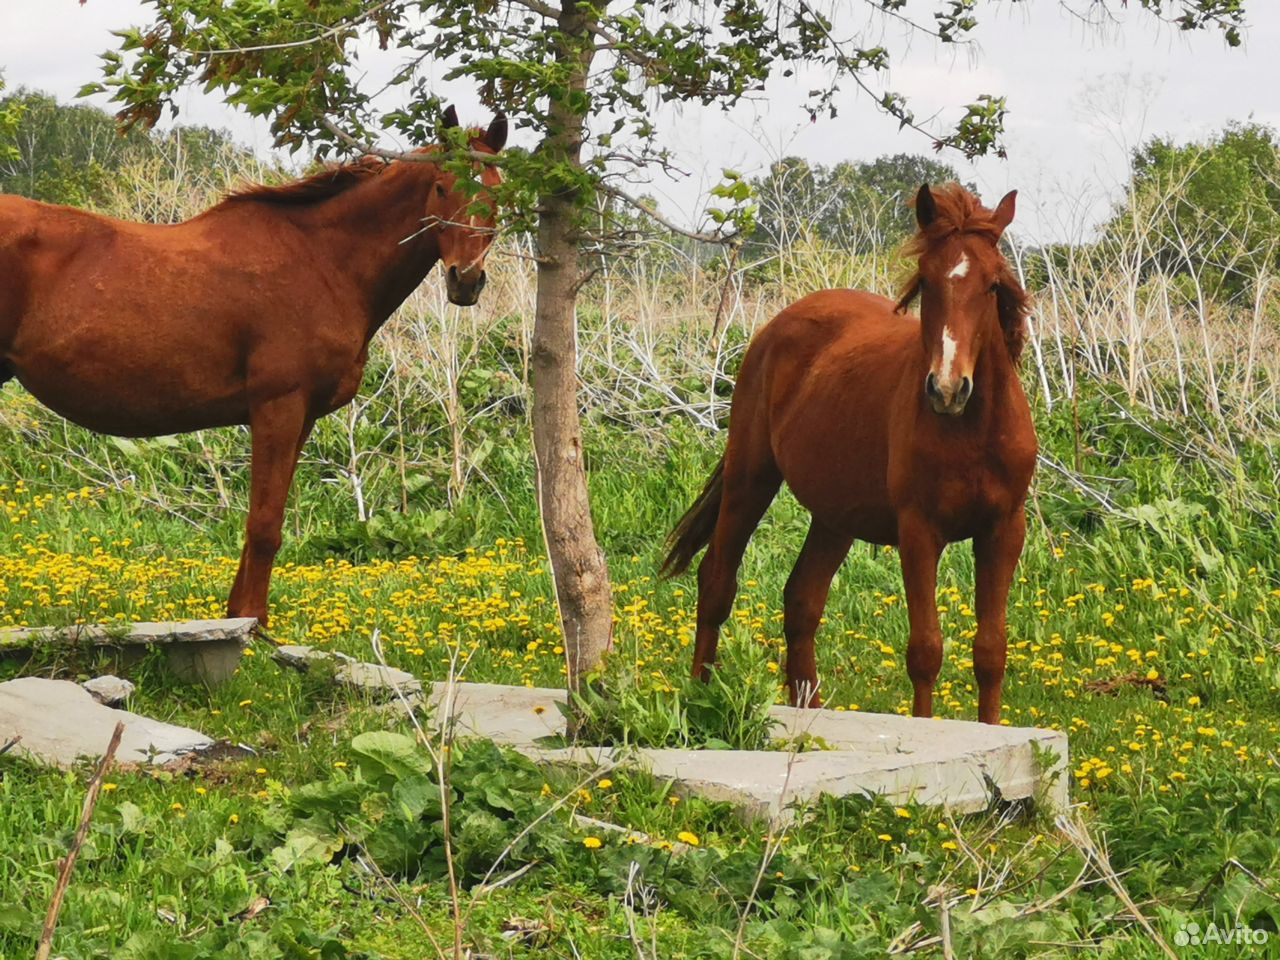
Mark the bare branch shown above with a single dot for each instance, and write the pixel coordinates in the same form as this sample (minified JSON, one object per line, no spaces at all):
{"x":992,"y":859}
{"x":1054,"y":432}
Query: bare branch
{"x":674,"y":228}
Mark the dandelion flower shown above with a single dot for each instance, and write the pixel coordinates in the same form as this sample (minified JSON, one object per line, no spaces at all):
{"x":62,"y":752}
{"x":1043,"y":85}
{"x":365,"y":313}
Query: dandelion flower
{"x":684,"y":836}
{"x":592,"y":843}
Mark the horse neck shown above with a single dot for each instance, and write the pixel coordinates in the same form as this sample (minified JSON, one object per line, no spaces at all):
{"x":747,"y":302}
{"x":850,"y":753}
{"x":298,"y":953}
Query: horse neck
{"x":993,"y":373}
{"x":374,"y":234}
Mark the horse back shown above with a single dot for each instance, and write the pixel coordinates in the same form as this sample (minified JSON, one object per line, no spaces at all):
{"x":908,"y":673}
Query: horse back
{"x":819,"y":380}
{"x":834,"y":350}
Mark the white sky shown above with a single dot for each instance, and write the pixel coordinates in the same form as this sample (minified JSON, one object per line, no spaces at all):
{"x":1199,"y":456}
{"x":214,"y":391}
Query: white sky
{"x":1080,"y":98}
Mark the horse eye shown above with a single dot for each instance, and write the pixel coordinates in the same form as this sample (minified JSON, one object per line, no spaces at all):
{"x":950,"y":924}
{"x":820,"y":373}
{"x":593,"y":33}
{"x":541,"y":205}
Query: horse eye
{"x":440,"y":191}
{"x":995,"y":288}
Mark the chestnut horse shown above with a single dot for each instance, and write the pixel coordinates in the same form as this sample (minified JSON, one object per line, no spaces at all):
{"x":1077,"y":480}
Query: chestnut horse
{"x":914,"y":434}
{"x":259,"y":311}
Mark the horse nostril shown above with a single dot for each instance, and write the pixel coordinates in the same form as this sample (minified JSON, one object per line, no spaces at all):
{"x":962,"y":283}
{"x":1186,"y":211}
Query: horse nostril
{"x":481,"y":282}
{"x":931,"y":387}
{"x":966,"y":388}
{"x":453,"y":274}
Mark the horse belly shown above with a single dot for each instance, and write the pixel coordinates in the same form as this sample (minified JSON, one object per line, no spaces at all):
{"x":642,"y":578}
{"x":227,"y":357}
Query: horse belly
{"x":841,"y":479}
{"x":137,"y":387}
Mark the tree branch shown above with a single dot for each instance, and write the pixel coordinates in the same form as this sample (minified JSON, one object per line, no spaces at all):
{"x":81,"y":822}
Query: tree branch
{"x":294,"y":44}
{"x":654,"y":214}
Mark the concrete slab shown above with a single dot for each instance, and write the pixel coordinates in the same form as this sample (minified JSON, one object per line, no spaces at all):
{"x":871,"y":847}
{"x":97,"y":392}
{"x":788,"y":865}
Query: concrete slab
{"x":60,"y":722}
{"x":201,"y":651}
{"x":953,"y":763}
{"x":370,"y":678}
{"x":515,"y":716}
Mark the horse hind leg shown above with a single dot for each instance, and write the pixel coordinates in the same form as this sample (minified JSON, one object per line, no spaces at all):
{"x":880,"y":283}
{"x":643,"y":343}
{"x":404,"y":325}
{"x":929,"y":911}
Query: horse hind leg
{"x":279,"y":429}
{"x":804,"y":599}
{"x":746,"y":496}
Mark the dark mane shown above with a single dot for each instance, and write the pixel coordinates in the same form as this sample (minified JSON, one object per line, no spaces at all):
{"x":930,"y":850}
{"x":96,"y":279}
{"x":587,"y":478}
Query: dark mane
{"x":329,"y":182}
{"x":960,"y":212}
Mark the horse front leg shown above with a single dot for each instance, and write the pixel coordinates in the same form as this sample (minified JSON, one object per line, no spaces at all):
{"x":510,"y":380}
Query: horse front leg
{"x":804,"y":599}
{"x":995,"y":556}
{"x":279,"y":428}
{"x":919,"y":548}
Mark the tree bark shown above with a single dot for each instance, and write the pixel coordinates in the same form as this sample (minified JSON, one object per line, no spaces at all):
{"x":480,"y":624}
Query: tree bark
{"x":578,"y":568}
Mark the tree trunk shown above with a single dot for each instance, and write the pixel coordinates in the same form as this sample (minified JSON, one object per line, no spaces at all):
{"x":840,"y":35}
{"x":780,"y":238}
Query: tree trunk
{"x":578,"y":567}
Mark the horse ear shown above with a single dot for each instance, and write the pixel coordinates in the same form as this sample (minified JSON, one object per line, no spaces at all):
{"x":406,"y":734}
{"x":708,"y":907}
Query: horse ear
{"x":1003,"y":214}
{"x":926,"y":207}
{"x":450,"y":117}
{"x":495,"y":138}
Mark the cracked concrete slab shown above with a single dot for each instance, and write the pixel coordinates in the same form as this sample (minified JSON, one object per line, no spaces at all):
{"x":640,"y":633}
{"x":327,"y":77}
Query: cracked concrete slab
{"x":957,"y":764}
{"x":370,"y":678}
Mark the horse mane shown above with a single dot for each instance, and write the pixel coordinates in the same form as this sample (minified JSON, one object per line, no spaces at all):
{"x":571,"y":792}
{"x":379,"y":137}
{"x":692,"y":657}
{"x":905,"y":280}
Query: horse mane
{"x":960,"y":212}
{"x":332,"y":180}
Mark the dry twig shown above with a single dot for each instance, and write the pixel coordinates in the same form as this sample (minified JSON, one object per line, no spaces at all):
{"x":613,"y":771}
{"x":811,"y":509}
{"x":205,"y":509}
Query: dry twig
{"x":82,"y":831}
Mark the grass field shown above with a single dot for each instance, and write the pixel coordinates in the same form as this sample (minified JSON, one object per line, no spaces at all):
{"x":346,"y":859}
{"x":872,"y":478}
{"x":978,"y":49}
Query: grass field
{"x":1144,"y":622}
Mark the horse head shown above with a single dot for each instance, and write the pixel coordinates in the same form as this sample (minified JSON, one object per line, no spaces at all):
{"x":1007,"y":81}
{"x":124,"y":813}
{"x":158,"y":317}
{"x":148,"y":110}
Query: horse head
{"x":466,"y":213}
{"x":966,"y":290}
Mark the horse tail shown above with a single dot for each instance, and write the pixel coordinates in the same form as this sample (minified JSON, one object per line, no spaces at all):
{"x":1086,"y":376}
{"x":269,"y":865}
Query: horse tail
{"x":695,"y":528}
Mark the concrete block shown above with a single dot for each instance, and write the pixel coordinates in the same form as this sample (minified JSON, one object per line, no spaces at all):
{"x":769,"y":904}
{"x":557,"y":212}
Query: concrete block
{"x":60,"y":723}
{"x":200,"y":651}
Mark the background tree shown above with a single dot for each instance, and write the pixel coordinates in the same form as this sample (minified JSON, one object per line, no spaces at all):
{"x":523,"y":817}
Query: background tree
{"x":74,"y":153}
{"x":552,"y":64}
{"x":1211,"y":207}
{"x":10,"y":116}
{"x":847,"y":206}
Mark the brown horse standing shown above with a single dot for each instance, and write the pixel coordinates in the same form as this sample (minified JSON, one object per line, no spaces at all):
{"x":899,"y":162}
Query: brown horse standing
{"x":887,"y":430}
{"x":258,"y":311}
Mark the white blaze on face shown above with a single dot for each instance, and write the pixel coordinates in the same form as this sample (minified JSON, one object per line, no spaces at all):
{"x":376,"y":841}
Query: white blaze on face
{"x":961,"y":268}
{"x":948,"y":357}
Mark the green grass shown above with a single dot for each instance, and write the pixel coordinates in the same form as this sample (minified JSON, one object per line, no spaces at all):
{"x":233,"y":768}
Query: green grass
{"x":1174,"y":578}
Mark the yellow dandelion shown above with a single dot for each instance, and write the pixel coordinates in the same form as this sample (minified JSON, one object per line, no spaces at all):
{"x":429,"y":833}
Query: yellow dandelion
{"x":592,"y":843}
{"x":684,"y":836}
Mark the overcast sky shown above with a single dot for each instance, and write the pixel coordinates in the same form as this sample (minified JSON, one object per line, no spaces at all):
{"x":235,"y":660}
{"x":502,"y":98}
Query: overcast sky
{"x":1080,"y":97}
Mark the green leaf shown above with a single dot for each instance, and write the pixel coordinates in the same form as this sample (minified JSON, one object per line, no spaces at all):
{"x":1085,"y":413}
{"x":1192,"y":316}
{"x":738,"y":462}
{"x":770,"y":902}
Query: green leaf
{"x":383,"y":753}
{"x":305,"y":844}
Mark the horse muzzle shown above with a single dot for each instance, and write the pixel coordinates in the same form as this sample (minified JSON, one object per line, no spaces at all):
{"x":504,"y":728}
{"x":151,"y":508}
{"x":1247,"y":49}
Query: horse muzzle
{"x":463,"y":291}
{"x":948,"y":400}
